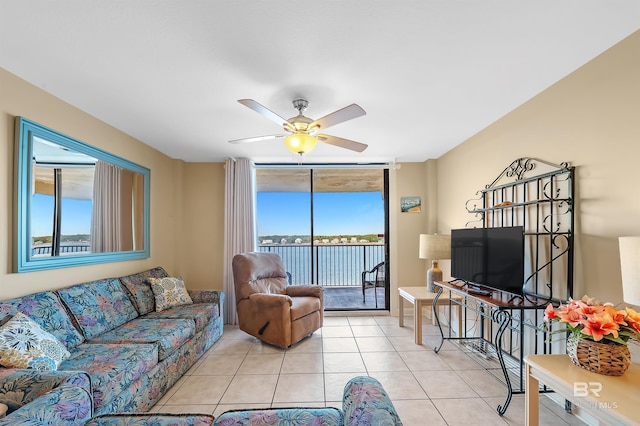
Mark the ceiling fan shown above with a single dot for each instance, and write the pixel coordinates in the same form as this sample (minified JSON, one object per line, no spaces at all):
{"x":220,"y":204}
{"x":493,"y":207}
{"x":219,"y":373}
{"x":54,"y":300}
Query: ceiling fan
{"x":303,"y":133}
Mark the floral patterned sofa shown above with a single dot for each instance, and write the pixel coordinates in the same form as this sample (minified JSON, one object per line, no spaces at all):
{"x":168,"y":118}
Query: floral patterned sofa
{"x":119,"y":353}
{"x":364,"y":402}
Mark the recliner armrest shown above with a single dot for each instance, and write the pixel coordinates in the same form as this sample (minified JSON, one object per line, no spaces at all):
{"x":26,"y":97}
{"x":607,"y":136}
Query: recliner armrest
{"x":305,"y":290}
{"x":267,"y":300}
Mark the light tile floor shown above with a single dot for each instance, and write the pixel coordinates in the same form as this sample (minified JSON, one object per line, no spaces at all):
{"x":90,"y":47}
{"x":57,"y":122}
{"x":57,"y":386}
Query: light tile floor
{"x":426,"y":388}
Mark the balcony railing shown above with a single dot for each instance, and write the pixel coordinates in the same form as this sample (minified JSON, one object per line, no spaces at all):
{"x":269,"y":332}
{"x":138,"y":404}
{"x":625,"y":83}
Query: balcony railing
{"x":45,"y":250}
{"x":334,"y":265}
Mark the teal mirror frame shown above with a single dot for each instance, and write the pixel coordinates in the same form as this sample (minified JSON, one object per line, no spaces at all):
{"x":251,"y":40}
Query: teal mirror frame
{"x":26,"y":130}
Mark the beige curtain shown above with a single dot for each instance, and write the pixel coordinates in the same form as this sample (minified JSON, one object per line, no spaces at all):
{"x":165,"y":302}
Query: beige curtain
{"x":239,"y":224}
{"x":105,"y":215}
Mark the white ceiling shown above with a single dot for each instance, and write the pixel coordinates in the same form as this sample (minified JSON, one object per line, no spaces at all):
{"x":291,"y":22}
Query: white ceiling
{"x":429,"y":73}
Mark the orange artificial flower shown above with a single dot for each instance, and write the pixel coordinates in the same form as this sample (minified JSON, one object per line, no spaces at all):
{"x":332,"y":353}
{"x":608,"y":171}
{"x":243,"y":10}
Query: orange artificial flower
{"x":590,"y":319}
{"x":633,"y":318}
{"x":570,"y":314}
{"x":618,"y":315}
{"x":599,"y":325}
{"x":587,"y":310}
{"x":550,"y":312}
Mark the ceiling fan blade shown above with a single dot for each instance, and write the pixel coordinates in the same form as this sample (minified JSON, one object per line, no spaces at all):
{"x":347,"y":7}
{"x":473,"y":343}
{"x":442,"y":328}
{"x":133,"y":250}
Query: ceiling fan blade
{"x":342,"y":143}
{"x":263,"y":110}
{"x":257,"y":139}
{"x":347,"y":113}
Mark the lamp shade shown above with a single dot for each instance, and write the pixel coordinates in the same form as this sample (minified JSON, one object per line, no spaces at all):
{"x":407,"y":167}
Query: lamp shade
{"x":630,"y":268}
{"x":300,"y":143}
{"x":435,"y":247}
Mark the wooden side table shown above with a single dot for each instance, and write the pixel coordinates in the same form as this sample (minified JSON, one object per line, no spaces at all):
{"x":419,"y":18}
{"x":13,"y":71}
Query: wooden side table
{"x":422,"y":298}
{"x":614,"y":400}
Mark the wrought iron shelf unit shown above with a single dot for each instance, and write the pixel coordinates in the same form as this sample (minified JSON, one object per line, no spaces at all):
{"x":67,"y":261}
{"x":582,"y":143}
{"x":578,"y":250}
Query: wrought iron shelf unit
{"x":538,"y":196}
{"x":514,"y":205}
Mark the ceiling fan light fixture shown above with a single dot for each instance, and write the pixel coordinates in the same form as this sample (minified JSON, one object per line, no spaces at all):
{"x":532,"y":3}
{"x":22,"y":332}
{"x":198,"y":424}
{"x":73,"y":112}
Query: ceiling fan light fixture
{"x":303,"y":131}
{"x":300,"y":143}
{"x":300,"y":124}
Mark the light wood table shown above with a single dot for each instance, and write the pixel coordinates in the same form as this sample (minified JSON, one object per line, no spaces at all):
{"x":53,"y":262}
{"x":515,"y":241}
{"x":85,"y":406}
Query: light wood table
{"x":422,"y":298}
{"x":614,"y":400}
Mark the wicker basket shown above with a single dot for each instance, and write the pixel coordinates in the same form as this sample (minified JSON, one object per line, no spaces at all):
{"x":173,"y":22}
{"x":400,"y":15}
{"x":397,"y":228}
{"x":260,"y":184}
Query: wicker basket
{"x":610,"y":360}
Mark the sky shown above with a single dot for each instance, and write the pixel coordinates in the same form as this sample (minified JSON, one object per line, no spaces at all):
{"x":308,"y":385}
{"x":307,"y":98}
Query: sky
{"x":336,"y":213}
{"x":76,"y":216}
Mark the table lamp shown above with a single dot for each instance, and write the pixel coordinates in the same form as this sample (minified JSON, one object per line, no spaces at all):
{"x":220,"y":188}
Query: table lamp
{"x":630,"y":268}
{"x":435,"y":247}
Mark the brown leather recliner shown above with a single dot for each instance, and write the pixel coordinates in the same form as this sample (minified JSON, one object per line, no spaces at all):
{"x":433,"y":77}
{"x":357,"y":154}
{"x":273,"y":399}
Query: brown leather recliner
{"x":267,"y":308}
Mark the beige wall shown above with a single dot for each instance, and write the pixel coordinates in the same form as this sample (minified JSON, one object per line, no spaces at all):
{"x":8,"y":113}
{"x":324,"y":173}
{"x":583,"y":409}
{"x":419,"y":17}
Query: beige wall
{"x":410,"y":179}
{"x":202,"y":243}
{"x":175,"y":242}
{"x":590,"y":119}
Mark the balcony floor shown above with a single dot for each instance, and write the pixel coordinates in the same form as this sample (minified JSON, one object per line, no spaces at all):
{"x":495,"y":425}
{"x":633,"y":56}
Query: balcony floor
{"x":350,"y":298}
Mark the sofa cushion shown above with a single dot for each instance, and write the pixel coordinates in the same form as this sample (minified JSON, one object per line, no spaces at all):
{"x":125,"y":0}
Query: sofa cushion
{"x":111,"y":367}
{"x":140,"y":289}
{"x":169,"y":292}
{"x":23,"y":344}
{"x":151,"y":419}
{"x":98,"y":306}
{"x":326,"y":416}
{"x":46,"y":310}
{"x":169,"y":333}
{"x":303,"y":306}
{"x":200,"y":313}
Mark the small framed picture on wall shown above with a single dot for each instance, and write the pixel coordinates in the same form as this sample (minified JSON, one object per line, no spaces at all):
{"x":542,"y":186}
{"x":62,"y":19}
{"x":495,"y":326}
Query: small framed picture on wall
{"x":410,"y":204}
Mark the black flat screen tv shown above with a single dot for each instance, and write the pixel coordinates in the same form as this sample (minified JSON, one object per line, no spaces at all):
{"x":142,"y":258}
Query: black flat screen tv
{"x":490,"y":257}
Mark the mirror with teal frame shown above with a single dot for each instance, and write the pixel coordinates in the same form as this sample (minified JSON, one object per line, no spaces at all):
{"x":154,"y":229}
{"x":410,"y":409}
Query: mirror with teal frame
{"x":76,"y":204}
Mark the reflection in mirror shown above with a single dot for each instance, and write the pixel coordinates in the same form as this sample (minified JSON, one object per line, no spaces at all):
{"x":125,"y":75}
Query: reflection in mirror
{"x":77,"y":204}
{"x":65,"y":219}
{"x":61,"y":204}
{"x":117,"y":209}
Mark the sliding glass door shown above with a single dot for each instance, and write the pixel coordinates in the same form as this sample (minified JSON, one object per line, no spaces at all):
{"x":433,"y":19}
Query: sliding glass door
{"x":329,"y":225}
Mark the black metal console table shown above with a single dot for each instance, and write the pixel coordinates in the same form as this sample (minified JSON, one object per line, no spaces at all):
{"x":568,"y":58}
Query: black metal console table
{"x":498,"y":313}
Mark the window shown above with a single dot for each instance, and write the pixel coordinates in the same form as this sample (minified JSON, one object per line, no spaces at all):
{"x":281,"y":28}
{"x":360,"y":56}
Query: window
{"x":328,"y":225}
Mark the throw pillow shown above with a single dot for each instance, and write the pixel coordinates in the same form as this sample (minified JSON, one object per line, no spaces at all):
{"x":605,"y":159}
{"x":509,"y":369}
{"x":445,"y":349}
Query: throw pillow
{"x":23,"y":344}
{"x":169,"y":292}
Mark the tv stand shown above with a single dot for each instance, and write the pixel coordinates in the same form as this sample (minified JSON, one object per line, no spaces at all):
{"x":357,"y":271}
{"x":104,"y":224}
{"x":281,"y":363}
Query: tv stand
{"x":479,"y":292}
{"x":492,"y":307}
